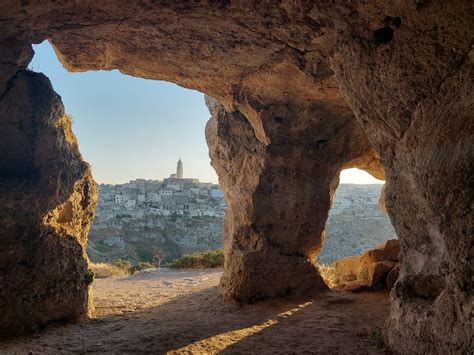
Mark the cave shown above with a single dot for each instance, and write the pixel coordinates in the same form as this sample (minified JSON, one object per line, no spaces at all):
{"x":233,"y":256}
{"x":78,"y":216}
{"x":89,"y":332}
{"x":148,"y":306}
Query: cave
{"x":297,"y":92}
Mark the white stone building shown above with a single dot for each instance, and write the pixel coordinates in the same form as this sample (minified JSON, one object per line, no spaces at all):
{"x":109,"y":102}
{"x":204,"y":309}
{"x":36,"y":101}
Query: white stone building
{"x":166,"y":192}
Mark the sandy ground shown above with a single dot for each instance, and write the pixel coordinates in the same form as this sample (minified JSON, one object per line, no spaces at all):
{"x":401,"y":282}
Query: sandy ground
{"x":165,"y":311}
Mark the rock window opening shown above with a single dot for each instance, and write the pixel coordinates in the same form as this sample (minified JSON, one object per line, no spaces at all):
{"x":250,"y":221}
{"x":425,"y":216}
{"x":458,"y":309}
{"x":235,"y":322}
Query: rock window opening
{"x":356,"y":224}
{"x":158,"y":197}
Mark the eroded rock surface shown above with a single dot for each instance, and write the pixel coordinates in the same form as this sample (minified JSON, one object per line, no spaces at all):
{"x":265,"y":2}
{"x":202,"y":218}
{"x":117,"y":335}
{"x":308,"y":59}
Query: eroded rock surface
{"x":47,"y":199}
{"x":415,"y":99}
{"x":370,"y":270}
{"x":278,"y":194}
{"x":306,"y":88}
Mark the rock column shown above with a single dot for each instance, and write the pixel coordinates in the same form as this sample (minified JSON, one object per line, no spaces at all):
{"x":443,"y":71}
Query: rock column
{"x":47,"y":199}
{"x":278,"y":193}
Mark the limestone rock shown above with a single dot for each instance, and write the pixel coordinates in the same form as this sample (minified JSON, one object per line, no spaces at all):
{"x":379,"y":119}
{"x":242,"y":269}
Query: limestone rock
{"x":387,"y":251}
{"x":360,"y":285}
{"x":347,"y":268}
{"x":370,"y":269}
{"x":254,"y":269}
{"x":393,"y":276}
{"x":370,"y":162}
{"x":15,"y":56}
{"x":378,"y":272}
{"x":47,"y":199}
{"x":422,"y":127}
{"x":308,"y":87}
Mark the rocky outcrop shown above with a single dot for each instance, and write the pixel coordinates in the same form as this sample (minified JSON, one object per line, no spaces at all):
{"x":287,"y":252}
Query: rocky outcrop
{"x":47,"y":199}
{"x":392,"y":276}
{"x":16,"y":55}
{"x":239,"y":158}
{"x":371,"y":270}
{"x":306,"y":88}
{"x":388,"y":251}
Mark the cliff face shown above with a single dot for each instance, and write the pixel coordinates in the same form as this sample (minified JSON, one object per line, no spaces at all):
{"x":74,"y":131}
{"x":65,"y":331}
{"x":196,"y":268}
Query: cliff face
{"x":303,"y":90}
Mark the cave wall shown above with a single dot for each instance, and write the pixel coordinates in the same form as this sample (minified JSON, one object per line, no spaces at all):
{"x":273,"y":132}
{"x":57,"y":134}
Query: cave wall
{"x":47,"y":199}
{"x":305,"y":89}
{"x":419,"y":88}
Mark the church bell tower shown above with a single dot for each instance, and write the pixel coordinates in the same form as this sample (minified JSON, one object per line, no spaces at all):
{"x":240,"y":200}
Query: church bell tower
{"x":179,"y":169}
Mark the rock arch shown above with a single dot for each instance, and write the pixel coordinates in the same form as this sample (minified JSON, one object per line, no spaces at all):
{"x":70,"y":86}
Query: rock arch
{"x":304,"y":90}
{"x":279,"y":194}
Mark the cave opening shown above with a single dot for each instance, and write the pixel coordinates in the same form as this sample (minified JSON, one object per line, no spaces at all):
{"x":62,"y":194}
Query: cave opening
{"x":94,"y":127}
{"x":356,"y":221}
{"x":410,"y":100}
{"x":358,"y":228}
{"x":132,"y":131}
{"x":99,"y":131}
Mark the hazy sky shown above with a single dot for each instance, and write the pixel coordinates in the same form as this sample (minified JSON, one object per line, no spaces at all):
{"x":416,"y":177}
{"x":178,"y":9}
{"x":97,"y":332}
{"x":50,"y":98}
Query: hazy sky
{"x":131,"y":128}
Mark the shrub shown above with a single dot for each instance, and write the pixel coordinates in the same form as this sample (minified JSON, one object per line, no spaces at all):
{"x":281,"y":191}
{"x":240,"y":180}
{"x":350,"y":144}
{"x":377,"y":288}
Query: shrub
{"x":103,"y":270}
{"x":144,"y":252}
{"x":140,"y":266}
{"x":123,"y":264}
{"x":88,"y":277}
{"x":208,"y":259}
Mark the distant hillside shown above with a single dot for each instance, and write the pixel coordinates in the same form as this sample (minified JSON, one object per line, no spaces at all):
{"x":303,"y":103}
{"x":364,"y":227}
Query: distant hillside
{"x":137,"y":219}
{"x":355,"y":222}
{"x":174,"y":216}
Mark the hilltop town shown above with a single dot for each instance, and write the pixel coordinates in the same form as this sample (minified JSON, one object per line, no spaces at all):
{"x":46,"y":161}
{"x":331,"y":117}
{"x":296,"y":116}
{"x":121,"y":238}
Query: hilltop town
{"x":180,"y":215}
{"x":175,"y":215}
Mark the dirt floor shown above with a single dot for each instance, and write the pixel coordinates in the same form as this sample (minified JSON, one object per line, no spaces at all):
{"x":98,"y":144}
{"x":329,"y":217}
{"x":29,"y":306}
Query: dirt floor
{"x":165,"y":311}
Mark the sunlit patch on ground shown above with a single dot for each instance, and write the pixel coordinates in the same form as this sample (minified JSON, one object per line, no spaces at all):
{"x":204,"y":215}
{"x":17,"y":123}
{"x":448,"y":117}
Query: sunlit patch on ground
{"x":224,"y":340}
{"x":167,"y":311}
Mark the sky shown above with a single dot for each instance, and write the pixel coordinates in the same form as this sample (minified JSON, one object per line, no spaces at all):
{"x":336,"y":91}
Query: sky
{"x":130,"y":128}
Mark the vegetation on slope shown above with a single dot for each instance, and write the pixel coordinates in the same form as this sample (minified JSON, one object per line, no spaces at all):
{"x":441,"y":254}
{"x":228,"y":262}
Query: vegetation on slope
{"x":103,"y":270}
{"x":140,"y":266}
{"x":120,"y":267}
{"x":203,"y":260}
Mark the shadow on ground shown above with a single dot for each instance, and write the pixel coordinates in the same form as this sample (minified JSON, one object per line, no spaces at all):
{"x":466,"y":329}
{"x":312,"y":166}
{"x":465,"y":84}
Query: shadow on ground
{"x":199,"y":322}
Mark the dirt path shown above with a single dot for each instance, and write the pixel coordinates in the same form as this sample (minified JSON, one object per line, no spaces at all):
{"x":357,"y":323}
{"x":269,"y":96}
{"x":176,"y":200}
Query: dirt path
{"x":180,"y":312}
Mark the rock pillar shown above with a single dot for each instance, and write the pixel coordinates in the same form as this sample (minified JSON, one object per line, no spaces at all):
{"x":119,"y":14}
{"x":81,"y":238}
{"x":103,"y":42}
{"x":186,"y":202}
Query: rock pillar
{"x":47,"y":199}
{"x":278,"y":193}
